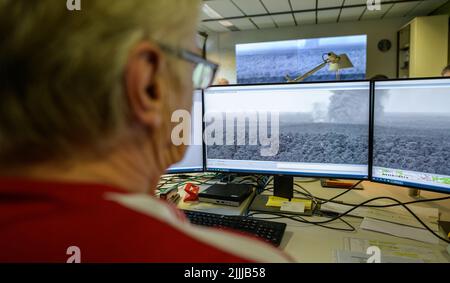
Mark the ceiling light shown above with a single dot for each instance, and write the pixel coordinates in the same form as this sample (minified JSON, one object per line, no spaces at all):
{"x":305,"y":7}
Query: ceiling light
{"x":210,"y":12}
{"x":226,"y":23}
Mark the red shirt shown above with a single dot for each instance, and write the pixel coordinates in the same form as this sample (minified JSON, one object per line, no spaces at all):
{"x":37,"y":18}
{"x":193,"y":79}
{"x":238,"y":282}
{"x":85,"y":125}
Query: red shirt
{"x":40,"y":221}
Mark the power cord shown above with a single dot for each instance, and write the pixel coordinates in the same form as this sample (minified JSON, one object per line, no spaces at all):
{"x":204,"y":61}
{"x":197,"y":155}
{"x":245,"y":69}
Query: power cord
{"x":343,"y":193}
{"x":364,"y":204}
{"x":386,"y":198}
{"x":298,"y":218}
{"x":339,"y":217}
{"x":332,"y":200}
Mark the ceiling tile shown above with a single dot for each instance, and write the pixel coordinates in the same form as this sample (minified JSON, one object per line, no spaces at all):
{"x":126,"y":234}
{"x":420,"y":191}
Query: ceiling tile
{"x":351,"y":14}
{"x":327,"y":16}
{"x":329,"y":3}
{"x":243,"y":24}
{"x":355,"y":2}
{"x":299,"y":5}
{"x":225,"y":8}
{"x":263,"y":22}
{"x":426,"y":7}
{"x":215,"y":26}
{"x":401,"y":9}
{"x":203,"y":16}
{"x":250,"y":7}
{"x":284,"y":20}
{"x":364,"y":2}
{"x":305,"y":18}
{"x":277,"y":6}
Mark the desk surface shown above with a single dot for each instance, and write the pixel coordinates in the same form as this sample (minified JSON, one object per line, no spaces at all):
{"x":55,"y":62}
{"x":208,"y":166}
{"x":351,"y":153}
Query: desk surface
{"x":310,"y":243}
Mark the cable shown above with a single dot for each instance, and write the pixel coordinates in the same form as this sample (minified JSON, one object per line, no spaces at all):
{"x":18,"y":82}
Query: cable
{"x":308,"y":193}
{"x":389,"y":205}
{"x":377,"y":205}
{"x":363,"y":204}
{"x":181,"y":180}
{"x":301,"y":220}
{"x":388,"y":198}
{"x":339,"y":217}
{"x":343,"y":193}
{"x":397,"y":203}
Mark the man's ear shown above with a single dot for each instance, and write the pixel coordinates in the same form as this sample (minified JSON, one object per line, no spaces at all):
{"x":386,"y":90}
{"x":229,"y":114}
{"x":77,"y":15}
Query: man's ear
{"x":141,"y":84}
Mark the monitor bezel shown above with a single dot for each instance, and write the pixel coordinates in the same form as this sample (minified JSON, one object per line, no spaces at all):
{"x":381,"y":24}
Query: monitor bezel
{"x":295,"y":174}
{"x":183,"y":171}
{"x":193,"y":170}
{"x":371,"y":139}
{"x":377,"y":180}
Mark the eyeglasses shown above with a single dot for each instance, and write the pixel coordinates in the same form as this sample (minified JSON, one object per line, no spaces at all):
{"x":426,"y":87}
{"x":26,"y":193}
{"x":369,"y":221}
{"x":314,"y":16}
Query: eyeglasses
{"x":204,"y":71}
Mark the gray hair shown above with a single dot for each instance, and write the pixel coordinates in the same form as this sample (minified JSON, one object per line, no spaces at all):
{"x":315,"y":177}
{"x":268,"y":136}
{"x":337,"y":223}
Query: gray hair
{"x":61,"y":72}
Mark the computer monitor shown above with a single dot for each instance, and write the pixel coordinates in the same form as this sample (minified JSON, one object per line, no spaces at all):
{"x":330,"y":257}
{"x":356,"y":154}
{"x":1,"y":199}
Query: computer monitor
{"x":411,"y":142}
{"x":193,"y":159}
{"x":305,"y":129}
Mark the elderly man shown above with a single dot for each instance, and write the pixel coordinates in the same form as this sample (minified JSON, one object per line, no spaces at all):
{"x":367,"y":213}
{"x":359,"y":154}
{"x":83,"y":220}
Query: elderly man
{"x":86,"y":99}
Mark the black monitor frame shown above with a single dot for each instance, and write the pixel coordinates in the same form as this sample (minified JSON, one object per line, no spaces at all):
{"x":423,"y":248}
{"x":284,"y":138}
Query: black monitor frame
{"x":283,"y":181}
{"x":398,"y":184}
{"x":192,"y":170}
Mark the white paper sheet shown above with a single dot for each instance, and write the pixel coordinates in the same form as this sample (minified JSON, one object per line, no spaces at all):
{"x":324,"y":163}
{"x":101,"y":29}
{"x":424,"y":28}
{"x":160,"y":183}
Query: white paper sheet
{"x":425,"y":252}
{"x":399,"y":215}
{"x":357,"y":257}
{"x":399,"y":230}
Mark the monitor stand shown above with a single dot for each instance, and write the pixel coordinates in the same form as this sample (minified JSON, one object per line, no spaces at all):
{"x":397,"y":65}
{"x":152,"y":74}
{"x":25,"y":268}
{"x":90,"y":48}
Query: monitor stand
{"x":283,"y":187}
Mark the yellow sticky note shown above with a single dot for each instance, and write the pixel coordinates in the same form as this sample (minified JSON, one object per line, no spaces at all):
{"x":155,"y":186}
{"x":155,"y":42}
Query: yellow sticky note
{"x":274,"y":201}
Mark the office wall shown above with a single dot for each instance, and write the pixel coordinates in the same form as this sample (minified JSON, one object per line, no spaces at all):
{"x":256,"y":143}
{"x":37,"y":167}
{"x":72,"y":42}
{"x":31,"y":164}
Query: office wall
{"x":444,"y":10}
{"x":221,"y":46}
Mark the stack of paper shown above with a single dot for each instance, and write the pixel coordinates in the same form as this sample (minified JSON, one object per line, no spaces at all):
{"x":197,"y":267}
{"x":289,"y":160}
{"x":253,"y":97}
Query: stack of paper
{"x":359,"y":257}
{"x":399,"y":222}
{"x":399,"y":230}
{"x":274,"y":201}
{"x":400,"y":215}
{"x":395,"y":221}
{"x":422,"y":252}
{"x":425,"y":252}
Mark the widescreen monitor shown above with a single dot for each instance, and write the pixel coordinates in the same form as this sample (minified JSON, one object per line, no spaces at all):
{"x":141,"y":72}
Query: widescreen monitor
{"x":255,"y":61}
{"x":412,"y":133}
{"x":306,"y":129}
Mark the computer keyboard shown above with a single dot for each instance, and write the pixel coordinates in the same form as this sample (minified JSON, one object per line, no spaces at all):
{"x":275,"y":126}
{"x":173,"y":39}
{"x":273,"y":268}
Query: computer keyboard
{"x":268,"y":231}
